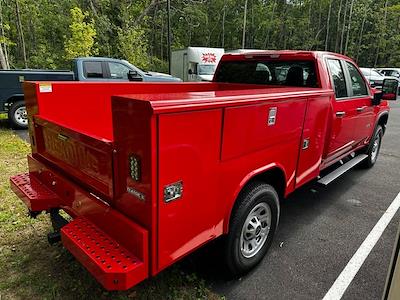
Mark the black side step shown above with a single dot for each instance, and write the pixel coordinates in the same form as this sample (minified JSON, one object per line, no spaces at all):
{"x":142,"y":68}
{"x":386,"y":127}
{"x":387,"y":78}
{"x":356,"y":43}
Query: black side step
{"x":342,"y":169}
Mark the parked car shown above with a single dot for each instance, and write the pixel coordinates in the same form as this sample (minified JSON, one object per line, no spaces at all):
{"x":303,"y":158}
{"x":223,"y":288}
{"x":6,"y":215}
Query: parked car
{"x":83,"y":69}
{"x":156,"y":171}
{"x":374,"y":77}
{"x":394,"y":72}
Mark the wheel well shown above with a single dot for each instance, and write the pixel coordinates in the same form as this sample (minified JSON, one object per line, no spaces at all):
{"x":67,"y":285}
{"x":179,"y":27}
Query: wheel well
{"x":15,"y":98}
{"x":274,"y":177}
{"x":383,"y":121}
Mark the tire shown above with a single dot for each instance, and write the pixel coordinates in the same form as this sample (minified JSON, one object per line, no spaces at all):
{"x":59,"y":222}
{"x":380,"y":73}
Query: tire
{"x":245,"y":246}
{"x":373,"y":148}
{"x":18,"y":116}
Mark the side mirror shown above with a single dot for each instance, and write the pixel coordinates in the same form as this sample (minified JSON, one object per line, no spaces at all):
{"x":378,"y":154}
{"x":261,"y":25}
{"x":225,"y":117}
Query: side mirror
{"x":377,"y":98}
{"x":390,"y":89}
{"x":134,"y":76}
{"x":190,"y":72}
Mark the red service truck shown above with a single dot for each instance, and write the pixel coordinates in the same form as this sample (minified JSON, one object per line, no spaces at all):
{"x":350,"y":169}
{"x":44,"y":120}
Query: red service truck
{"x":157,"y":170}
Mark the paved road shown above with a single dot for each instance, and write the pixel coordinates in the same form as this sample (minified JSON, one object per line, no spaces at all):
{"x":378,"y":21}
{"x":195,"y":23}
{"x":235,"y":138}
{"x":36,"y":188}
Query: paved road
{"x":320,"y":230}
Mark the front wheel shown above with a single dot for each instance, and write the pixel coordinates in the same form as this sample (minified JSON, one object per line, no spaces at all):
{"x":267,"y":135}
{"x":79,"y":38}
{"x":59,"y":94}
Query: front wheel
{"x":252,"y":227}
{"x":18,"y":116}
{"x":373,"y":148}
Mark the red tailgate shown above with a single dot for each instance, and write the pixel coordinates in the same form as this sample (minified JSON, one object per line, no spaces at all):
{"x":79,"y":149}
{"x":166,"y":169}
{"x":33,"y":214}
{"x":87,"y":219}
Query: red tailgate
{"x":86,"y":159}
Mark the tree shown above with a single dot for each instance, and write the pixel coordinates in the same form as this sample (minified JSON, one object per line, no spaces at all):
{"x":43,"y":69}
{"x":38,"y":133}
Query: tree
{"x":244,"y":25}
{"x":4,"y":41}
{"x":328,"y":25}
{"x":21,"y":33}
{"x":132,"y":45}
{"x":349,"y":27}
{"x":82,"y":35}
{"x":137,"y":31}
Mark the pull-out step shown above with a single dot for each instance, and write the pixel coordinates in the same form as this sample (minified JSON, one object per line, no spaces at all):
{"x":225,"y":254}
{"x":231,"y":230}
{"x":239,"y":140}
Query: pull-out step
{"x":342,"y":169}
{"x":110,"y":263}
{"x":36,"y":195}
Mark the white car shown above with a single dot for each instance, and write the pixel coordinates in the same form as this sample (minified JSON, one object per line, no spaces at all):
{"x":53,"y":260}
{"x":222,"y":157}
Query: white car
{"x":393,"y":72}
{"x":374,"y":77}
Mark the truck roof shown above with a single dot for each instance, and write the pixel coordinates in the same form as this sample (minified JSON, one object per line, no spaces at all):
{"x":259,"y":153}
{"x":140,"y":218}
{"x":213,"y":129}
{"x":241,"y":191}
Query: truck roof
{"x":277,"y":53}
{"x":187,"y":101}
{"x":94,"y":58}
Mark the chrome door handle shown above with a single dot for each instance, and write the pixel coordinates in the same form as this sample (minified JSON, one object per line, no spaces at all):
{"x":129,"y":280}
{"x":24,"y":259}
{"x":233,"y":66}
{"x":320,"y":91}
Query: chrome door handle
{"x":340,"y":113}
{"x":360,"y":109}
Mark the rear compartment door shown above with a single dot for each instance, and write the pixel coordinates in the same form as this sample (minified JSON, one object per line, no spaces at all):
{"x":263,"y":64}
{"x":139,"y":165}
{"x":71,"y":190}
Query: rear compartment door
{"x":88,"y":161}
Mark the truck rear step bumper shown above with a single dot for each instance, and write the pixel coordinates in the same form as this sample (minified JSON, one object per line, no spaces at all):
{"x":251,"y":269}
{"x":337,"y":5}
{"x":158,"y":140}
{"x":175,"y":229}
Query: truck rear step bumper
{"x":113,"y":248}
{"x":110,"y":263}
{"x":36,"y":196}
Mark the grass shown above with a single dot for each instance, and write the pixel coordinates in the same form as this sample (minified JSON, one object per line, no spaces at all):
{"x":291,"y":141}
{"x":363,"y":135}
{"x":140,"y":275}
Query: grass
{"x":32,"y":269}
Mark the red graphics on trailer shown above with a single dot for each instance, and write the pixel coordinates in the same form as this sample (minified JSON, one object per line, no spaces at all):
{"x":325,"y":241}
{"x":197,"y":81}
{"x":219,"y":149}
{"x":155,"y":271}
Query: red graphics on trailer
{"x":149,"y":172}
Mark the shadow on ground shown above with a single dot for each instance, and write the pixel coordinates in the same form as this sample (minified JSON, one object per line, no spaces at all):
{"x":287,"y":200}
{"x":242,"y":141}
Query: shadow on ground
{"x":299,"y":209}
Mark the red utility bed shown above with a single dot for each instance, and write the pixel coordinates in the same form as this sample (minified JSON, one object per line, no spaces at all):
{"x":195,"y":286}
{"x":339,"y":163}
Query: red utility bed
{"x":86,"y":136}
{"x":149,"y":172}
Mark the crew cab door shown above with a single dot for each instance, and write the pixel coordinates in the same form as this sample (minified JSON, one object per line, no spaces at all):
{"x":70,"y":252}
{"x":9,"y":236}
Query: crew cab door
{"x":344,"y":112}
{"x":360,"y":95}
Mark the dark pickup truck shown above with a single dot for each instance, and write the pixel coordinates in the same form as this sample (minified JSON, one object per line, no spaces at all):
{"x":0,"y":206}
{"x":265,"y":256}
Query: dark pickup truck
{"x":84,"y":69}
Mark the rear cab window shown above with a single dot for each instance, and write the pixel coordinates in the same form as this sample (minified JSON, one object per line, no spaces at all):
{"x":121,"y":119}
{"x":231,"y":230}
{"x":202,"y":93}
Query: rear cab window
{"x":268,"y":72}
{"x":93,"y":69}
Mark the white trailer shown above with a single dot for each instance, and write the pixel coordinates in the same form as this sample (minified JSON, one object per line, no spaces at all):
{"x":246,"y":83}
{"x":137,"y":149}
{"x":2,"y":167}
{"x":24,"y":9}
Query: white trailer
{"x":195,"y":63}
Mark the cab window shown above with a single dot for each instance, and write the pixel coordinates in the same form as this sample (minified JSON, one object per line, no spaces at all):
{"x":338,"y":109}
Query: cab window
{"x":338,"y":78}
{"x":357,"y":83}
{"x":93,"y":69}
{"x":268,"y":72}
{"x":118,"y":71}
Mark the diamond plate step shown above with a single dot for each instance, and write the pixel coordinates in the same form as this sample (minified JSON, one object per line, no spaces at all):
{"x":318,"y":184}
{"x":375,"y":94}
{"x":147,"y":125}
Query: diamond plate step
{"x":113,"y":265}
{"x":36,"y":195}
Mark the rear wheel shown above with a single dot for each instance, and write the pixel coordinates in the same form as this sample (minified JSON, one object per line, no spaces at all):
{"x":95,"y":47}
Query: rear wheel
{"x":373,"y":148}
{"x":253,"y":224}
{"x":18,"y":115}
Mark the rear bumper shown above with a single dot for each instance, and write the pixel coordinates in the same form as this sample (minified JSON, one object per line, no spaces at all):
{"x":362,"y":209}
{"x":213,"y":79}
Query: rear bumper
{"x":36,"y":196}
{"x":112,"y":247}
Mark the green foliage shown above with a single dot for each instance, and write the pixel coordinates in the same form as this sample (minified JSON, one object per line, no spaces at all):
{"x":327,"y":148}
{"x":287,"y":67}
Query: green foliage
{"x":132,"y":45}
{"x":4,"y":39}
{"x":82,"y":35}
{"x":44,"y":58}
{"x":137,"y":30}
